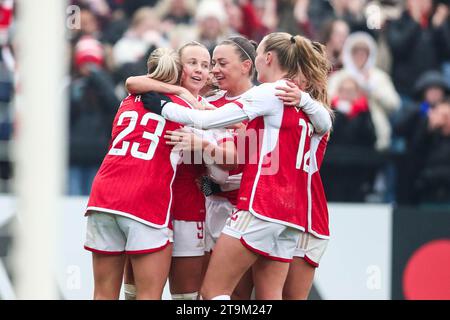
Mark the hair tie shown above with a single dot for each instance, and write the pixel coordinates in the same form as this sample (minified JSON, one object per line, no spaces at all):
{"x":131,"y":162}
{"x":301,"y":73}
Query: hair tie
{"x":293,"y":39}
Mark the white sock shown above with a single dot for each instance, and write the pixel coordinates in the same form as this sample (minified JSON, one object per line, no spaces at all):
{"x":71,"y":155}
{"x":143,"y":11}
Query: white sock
{"x":130,"y":291}
{"x":185,"y":296}
{"x":221,"y":297}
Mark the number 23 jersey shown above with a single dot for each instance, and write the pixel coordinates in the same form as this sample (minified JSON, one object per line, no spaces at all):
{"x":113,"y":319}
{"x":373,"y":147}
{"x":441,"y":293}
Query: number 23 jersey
{"x":136,"y":176}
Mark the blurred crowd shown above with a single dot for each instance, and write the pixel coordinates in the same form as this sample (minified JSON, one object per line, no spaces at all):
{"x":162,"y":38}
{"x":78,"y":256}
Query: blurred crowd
{"x":389,"y":86}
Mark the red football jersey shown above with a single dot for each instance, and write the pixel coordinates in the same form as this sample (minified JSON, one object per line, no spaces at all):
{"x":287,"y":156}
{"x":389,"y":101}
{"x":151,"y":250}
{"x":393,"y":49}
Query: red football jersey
{"x":318,"y":222}
{"x":275,"y":180}
{"x":218,"y":101}
{"x":136,"y":176}
{"x":188,"y":201}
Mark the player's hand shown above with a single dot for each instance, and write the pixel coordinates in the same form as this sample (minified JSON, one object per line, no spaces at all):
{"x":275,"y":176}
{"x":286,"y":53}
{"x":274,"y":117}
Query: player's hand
{"x":184,"y":139}
{"x":205,"y":105}
{"x":154,"y":101}
{"x":193,"y":101}
{"x":290,"y":94}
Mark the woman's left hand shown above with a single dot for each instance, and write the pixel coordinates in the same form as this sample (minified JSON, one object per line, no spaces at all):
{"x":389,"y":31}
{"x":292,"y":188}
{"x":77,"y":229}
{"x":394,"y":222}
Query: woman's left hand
{"x":184,"y":139}
{"x":290,"y":94}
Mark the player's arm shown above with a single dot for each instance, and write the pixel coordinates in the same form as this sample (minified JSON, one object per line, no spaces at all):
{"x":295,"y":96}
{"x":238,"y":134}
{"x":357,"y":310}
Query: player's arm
{"x":258,"y":101}
{"x":142,"y":84}
{"x":223,"y":155}
{"x":319,"y":116}
{"x":204,"y":119}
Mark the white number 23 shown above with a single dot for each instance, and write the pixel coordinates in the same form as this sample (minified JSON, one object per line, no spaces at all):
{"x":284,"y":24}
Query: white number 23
{"x":153,"y":137}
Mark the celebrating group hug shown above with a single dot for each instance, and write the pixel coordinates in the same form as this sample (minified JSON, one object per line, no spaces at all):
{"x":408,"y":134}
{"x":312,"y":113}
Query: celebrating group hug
{"x":212,"y":182}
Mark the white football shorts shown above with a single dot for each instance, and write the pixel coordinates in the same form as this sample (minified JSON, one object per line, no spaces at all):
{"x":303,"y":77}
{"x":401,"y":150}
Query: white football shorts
{"x":272,"y":240}
{"x":114,"y":234}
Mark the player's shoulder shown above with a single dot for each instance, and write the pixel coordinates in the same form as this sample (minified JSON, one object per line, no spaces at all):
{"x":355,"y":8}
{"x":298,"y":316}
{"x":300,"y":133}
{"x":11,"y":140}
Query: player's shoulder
{"x":266,"y":89}
{"x":272,"y":85}
{"x":177,"y":99}
{"x":130,"y":101}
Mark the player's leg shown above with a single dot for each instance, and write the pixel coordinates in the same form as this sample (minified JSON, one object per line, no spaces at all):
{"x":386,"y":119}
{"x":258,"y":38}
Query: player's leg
{"x":185,"y":277}
{"x":150,"y":273}
{"x":108,"y":274}
{"x":276,"y":244}
{"x":107,"y":244}
{"x":206,"y":259}
{"x":307,"y":256}
{"x":244,"y":288}
{"x":228,"y":263}
{"x":299,"y":280}
{"x":129,"y":286}
{"x":186,"y":270}
{"x":149,"y":250}
{"x":269,"y":277}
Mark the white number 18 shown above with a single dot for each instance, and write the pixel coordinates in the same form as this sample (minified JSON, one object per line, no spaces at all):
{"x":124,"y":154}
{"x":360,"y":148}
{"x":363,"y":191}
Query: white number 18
{"x":303,"y":157}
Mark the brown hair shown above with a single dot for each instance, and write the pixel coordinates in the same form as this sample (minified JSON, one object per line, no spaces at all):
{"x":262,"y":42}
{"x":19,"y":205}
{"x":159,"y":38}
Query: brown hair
{"x":245,"y":49}
{"x":298,"y":56}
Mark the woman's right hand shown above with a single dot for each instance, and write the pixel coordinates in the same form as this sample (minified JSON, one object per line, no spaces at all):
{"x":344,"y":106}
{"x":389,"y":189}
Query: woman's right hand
{"x":198,"y":105}
{"x":290,"y":95}
{"x":189,"y":98}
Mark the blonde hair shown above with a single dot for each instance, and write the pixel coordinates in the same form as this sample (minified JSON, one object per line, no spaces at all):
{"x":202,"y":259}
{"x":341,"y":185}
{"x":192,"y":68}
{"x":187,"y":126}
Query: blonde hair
{"x":164,"y":65}
{"x":298,"y":56}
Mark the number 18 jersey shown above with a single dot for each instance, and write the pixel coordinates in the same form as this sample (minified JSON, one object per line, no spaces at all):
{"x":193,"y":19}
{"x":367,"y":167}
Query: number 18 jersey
{"x":136,"y":176}
{"x":274,"y":184}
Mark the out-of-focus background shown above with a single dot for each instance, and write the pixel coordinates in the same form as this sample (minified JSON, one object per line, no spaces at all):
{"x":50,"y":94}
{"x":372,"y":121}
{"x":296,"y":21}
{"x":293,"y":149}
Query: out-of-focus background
{"x":386,"y":172}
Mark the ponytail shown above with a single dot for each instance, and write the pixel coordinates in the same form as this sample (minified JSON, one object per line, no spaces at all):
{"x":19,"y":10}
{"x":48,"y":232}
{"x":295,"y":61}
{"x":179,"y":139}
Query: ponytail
{"x":299,"y":56}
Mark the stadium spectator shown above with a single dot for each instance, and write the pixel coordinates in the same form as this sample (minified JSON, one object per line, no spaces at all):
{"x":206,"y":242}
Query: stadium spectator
{"x":419,"y":41}
{"x":293,"y":17}
{"x":176,"y":11}
{"x":212,"y":23}
{"x":430,"y":89}
{"x":351,"y":11}
{"x":131,"y":6}
{"x":347,"y":175}
{"x":333,"y":36}
{"x":431,"y":151}
{"x":243,"y":19}
{"x":92,"y":107}
{"x":359,"y":57}
{"x":143,"y":32}
{"x":89,"y":25}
